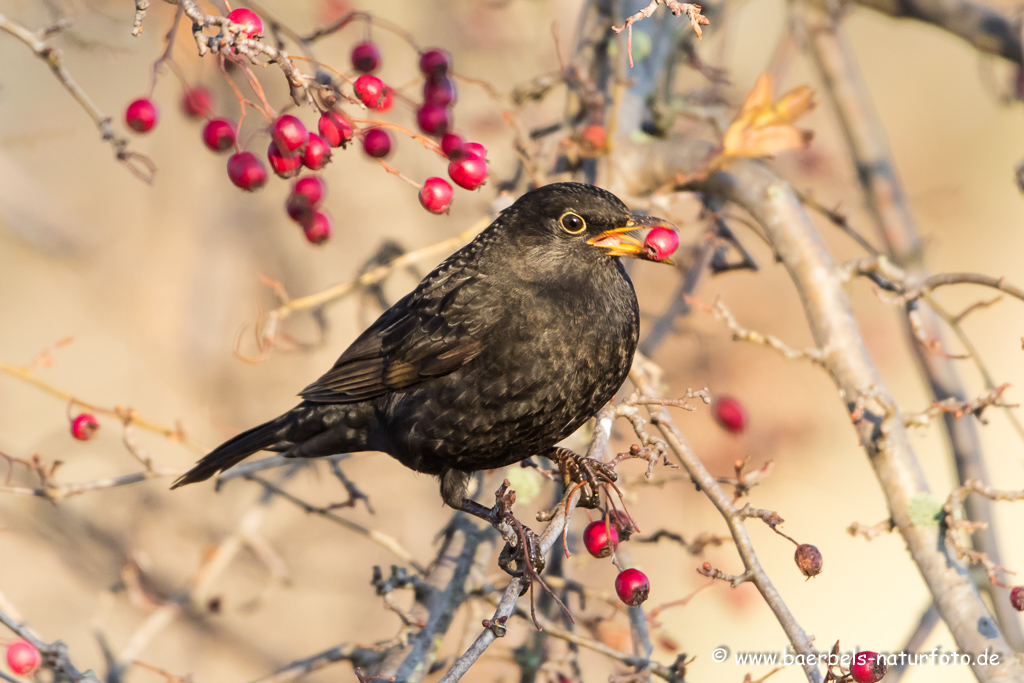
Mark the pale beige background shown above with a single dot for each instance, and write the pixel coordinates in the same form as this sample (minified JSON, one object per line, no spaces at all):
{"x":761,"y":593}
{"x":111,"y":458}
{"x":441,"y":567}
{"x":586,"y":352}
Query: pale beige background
{"x":155,"y":283}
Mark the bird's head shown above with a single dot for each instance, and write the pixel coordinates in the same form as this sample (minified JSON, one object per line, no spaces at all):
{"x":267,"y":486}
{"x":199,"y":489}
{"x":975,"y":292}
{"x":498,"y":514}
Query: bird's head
{"x":584,"y":221}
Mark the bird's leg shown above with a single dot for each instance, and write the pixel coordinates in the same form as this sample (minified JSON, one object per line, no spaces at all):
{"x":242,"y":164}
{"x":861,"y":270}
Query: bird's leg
{"x":471,"y":507}
{"x":586,"y":472}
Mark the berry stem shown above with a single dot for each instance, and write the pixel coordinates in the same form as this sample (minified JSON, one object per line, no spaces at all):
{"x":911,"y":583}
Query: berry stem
{"x":242,"y":100}
{"x":394,"y":171}
{"x":422,"y":139}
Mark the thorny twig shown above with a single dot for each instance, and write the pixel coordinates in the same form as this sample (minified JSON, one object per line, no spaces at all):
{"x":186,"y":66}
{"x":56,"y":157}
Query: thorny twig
{"x":55,"y":655}
{"x":138,"y":164}
{"x":677,"y":8}
{"x":267,"y":327}
{"x":958,"y":409}
{"x":952,"y":508}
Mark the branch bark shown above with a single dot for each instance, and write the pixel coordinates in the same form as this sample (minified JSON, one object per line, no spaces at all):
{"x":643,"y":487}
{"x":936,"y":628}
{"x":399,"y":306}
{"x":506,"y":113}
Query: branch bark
{"x":887,"y":205}
{"x":818,"y":279}
{"x":985,"y":28}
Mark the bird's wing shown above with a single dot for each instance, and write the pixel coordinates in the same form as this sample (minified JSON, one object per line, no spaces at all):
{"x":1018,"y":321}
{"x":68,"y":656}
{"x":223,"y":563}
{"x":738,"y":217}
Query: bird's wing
{"x":431,"y":332}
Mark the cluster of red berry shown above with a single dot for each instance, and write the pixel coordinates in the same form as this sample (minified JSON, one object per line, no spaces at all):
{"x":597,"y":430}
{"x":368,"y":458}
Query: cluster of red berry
{"x":292,"y":147}
{"x":601,"y":538}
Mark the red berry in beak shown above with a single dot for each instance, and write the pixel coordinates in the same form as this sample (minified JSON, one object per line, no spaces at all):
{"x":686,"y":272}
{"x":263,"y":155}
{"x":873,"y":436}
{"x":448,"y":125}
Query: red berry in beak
{"x":660,"y":244}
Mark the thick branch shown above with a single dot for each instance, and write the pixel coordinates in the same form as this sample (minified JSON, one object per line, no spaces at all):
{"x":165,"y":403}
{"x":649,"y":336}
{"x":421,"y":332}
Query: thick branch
{"x":888,"y":207}
{"x":819,"y":281}
{"x":985,"y":28}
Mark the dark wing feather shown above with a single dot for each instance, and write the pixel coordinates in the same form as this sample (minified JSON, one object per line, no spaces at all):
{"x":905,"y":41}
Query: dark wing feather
{"x":432,"y":332}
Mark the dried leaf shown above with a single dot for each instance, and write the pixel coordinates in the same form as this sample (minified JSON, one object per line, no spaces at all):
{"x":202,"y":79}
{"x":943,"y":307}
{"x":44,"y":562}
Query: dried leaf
{"x":765,"y":128}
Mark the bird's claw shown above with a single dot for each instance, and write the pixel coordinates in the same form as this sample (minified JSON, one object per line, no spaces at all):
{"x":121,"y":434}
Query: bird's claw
{"x":522,"y":556}
{"x":586,"y":473}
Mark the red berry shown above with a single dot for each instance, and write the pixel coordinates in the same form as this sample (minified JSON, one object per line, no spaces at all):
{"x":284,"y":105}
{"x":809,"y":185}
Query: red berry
{"x":868,"y":667}
{"x":436,"y":195}
{"x":246,"y":171}
{"x":660,"y":243}
{"x":730,"y":414}
{"x":219,"y":134}
{"x":141,"y":115}
{"x":594,"y":137}
{"x":597,"y":539}
{"x":335,"y":129}
{"x":317,"y":152}
{"x":623,"y":524}
{"x":441,"y":93}
{"x":468,"y":171}
{"x":475,"y":149}
{"x":369,"y":89}
{"x":310,"y":191}
{"x":632,"y":586}
{"x":318,"y":228}
{"x":197,"y":102}
{"x":284,"y":165}
{"x":451,"y":145}
{"x":1017,"y":598}
{"x":433,"y":120}
{"x":808,"y":559}
{"x":23,"y":657}
{"x":84,"y":426}
{"x":377,"y":143}
{"x":435,"y":64}
{"x":250,"y":22}
{"x":365,"y":57}
{"x":386,"y":102}
{"x":288,"y":133}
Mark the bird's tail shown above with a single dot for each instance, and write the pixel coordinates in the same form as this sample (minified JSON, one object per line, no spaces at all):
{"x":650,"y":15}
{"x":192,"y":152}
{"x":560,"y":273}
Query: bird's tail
{"x":235,"y":450}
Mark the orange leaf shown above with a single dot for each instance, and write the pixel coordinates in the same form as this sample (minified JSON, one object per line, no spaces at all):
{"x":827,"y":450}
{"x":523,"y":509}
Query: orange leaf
{"x":765,"y":128}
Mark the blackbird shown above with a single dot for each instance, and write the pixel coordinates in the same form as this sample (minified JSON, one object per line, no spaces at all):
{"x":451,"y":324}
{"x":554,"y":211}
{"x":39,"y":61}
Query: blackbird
{"x":502,"y":351}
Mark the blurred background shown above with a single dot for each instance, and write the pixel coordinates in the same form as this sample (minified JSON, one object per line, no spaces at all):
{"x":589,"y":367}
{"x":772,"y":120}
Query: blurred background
{"x":159,"y":285}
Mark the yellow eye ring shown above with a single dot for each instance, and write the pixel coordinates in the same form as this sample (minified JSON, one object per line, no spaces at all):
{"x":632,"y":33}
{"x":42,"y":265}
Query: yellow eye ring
{"x":572,"y":223}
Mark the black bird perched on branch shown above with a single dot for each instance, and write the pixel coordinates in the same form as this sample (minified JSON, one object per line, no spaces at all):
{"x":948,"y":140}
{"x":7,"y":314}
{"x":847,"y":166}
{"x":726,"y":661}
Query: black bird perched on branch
{"x":503,"y":350}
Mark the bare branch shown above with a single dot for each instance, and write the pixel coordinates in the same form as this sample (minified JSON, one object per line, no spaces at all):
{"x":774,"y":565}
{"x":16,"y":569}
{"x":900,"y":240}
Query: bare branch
{"x":139,"y":164}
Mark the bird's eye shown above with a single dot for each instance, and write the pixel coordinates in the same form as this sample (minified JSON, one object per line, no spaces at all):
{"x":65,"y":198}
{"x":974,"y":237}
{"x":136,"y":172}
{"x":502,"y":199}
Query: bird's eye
{"x":572,"y":223}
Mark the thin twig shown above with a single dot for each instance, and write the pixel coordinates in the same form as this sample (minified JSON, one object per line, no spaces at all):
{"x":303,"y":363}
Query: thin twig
{"x":138,"y":164}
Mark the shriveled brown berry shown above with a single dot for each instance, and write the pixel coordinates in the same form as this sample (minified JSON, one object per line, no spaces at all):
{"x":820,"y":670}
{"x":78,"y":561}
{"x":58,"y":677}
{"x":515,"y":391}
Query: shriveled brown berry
{"x":808,"y":559}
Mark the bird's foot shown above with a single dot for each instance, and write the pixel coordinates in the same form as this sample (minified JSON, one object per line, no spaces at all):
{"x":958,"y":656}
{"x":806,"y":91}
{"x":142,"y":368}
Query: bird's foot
{"x":522,"y":556}
{"x":587,"y":474}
